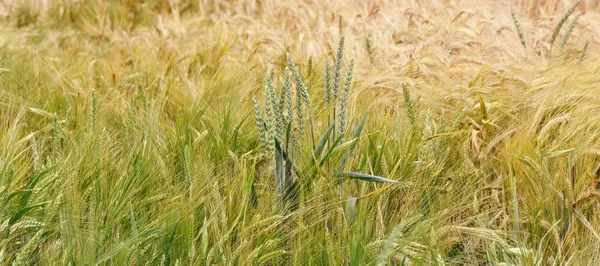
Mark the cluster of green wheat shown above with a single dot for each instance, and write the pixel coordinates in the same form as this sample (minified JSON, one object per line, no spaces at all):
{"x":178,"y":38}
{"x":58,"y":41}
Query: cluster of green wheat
{"x":278,"y":132}
{"x":556,"y":31}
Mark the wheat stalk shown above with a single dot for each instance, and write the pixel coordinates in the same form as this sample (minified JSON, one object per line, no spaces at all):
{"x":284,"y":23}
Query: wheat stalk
{"x":93,"y":108}
{"x":585,"y":47}
{"x":259,"y":122}
{"x":519,"y":29}
{"x":269,"y":117}
{"x":24,"y":256}
{"x":327,"y":83}
{"x":569,"y":31}
{"x":561,"y":22}
{"x":336,"y":76}
{"x":303,"y":95}
{"x":344,"y":99}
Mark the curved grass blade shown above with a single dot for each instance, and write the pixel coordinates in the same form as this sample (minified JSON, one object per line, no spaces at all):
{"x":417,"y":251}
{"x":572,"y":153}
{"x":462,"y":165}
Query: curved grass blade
{"x":556,"y":153}
{"x":330,"y":151}
{"x":319,"y":148}
{"x":357,"y":132}
{"x":561,"y":22}
{"x":569,"y":32}
{"x":31,"y":184}
{"x":484,"y":113}
{"x":366,"y":177}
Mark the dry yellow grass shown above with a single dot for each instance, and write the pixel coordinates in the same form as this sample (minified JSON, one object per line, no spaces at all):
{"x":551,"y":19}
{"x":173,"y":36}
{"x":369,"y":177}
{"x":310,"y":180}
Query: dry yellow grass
{"x":516,"y":180}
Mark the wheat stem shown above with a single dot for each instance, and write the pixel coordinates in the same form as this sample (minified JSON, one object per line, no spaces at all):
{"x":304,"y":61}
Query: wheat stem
{"x":560,"y":24}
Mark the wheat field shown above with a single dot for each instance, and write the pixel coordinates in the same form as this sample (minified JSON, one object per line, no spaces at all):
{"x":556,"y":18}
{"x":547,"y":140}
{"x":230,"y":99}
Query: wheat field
{"x":265,"y":132}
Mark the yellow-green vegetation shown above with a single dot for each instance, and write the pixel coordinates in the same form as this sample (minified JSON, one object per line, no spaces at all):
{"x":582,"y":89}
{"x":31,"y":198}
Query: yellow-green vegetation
{"x":299,"y":132}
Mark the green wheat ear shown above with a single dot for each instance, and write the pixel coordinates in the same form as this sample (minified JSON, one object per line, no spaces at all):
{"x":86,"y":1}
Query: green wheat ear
{"x":411,"y":106}
{"x":327,"y":83}
{"x":259,"y":122}
{"x":277,"y":119}
{"x":302,"y":97}
{"x":569,"y":31}
{"x":561,"y":22}
{"x":299,"y":83}
{"x":93,"y":108}
{"x":345,"y":96}
{"x":585,"y":47}
{"x":338,"y":68}
{"x":269,"y":117}
{"x":299,"y":91}
{"x":519,"y":29}
{"x":287,"y":89}
{"x":24,"y":256}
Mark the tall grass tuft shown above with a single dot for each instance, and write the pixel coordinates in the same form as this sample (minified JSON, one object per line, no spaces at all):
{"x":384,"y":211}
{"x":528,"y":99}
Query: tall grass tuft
{"x":285,"y":151}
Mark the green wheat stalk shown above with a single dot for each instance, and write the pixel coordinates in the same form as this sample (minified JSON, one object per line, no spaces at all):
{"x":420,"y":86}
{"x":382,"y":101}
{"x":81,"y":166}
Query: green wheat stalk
{"x":287,"y":90}
{"x":328,"y":91}
{"x":303,"y":96}
{"x":344,"y":99}
{"x":299,"y":107}
{"x":411,"y":107}
{"x":259,"y":122}
{"x":561,"y":22}
{"x":93,"y":108}
{"x":24,"y":256}
{"x":585,"y":47}
{"x":327,"y":83}
{"x":569,"y":31}
{"x":269,"y":115}
{"x":278,"y":119}
{"x":519,"y":29}
{"x":336,"y":76}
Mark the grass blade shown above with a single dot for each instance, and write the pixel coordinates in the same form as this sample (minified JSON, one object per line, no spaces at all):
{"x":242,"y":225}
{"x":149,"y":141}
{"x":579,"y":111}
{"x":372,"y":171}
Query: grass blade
{"x":556,"y":153}
{"x":366,"y":177}
{"x":561,"y":22}
{"x":319,"y":148}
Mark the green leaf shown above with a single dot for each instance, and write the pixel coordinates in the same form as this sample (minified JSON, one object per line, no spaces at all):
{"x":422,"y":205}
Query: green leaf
{"x":17,"y":216}
{"x":366,"y":177}
{"x":330,"y":150}
{"x":355,"y":137}
{"x":31,"y":184}
{"x":379,"y":154}
{"x":319,"y":148}
{"x":484,"y":113}
{"x":556,"y":153}
{"x":279,"y":180}
{"x":350,"y":209}
{"x":169,"y":247}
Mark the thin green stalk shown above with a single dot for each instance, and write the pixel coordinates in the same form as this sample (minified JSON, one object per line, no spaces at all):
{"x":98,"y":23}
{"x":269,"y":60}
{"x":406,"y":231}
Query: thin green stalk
{"x":304,"y":96}
{"x":569,"y":32}
{"x":515,"y":206}
{"x":337,"y":70}
{"x":519,"y":30}
{"x":345,"y":96}
{"x":328,"y":92}
{"x":560,"y":24}
{"x":583,"y":51}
